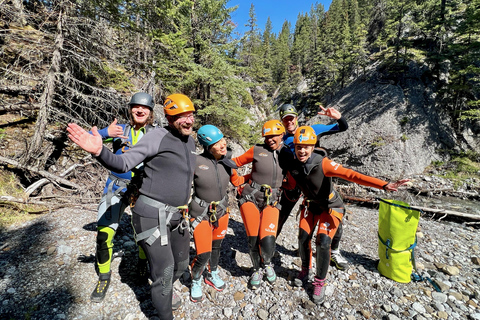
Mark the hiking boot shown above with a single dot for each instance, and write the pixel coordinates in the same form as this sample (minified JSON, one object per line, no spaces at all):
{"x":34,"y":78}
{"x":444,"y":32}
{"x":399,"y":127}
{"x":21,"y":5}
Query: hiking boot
{"x":196,"y":290}
{"x":176,"y":300}
{"x":142,"y":268}
{"x":318,"y":290}
{"x":338,"y":261}
{"x":214,"y":280}
{"x":102,"y":286}
{"x":302,"y":277}
{"x":270,"y":273}
{"x":256,"y":279}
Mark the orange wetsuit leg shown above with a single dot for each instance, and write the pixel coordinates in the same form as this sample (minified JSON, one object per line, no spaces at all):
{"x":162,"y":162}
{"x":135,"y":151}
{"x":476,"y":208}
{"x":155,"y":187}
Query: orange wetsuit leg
{"x":329,"y":222}
{"x":307,"y":224}
{"x":251,"y":218}
{"x":269,"y":222}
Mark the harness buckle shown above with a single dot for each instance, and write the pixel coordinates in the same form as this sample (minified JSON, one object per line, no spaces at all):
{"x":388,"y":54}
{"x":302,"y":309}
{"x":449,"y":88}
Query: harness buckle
{"x":185,"y":222}
{"x":268,"y":191}
{"x":126,"y":144}
{"x":212,"y":209}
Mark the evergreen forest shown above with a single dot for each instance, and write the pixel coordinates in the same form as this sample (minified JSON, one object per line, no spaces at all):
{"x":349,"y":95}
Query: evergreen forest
{"x":81,"y":60}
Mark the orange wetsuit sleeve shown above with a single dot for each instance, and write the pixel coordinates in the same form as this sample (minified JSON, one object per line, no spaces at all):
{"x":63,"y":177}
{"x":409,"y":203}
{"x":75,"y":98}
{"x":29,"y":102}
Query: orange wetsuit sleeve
{"x":237,"y":180}
{"x":289,"y":183}
{"x":333,"y":169}
{"x":245,"y":158}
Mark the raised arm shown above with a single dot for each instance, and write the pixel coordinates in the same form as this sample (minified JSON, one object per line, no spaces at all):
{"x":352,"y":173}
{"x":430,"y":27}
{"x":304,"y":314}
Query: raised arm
{"x":115,"y":131}
{"x":89,"y":142}
{"x":238,"y":180}
{"x":333,"y":169}
{"x":245,"y":158}
{"x":330,"y":112}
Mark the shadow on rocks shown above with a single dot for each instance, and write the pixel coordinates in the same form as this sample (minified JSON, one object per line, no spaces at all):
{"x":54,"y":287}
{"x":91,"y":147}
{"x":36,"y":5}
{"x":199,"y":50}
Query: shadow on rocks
{"x":18,"y":302}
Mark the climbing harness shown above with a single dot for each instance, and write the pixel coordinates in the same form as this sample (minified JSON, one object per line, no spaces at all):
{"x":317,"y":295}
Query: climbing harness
{"x":214,"y":210}
{"x":268,"y":194}
{"x":336,"y":212}
{"x":121,"y":183}
{"x":165,"y":214}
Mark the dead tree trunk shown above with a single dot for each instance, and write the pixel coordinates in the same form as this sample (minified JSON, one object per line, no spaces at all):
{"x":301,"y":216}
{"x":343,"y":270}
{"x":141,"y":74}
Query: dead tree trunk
{"x":46,"y":99}
{"x":21,"y":21}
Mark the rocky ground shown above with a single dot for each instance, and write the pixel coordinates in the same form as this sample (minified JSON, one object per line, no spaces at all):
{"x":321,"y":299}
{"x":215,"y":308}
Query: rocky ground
{"x":47,"y":272}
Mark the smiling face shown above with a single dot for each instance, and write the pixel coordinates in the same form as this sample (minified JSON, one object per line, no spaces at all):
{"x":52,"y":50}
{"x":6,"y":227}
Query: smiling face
{"x":290,"y":123}
{"x":183,"y":122}
{"x":219,"y":148}
{"x":274,"y":142}
{"x":303,"y":151}
{"x":140,"y":115}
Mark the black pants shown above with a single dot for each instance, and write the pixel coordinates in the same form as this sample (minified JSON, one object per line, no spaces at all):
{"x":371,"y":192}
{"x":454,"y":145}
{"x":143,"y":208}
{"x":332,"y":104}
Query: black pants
{"x":167,"y":263}
{"x":288,"y":200}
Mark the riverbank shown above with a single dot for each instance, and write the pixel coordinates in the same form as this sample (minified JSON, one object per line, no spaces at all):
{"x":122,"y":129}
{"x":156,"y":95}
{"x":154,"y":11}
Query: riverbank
{"x":47,"y":272}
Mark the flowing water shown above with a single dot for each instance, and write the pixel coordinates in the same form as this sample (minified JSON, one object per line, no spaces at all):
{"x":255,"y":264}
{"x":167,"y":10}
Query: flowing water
{"x":446,"y":203}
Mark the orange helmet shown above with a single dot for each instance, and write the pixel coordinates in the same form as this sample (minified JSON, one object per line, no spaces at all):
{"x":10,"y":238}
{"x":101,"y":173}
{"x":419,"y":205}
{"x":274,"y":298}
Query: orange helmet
{"x":272,"y":128}
{"x":305,"y":135}
{"x":177,"y":103}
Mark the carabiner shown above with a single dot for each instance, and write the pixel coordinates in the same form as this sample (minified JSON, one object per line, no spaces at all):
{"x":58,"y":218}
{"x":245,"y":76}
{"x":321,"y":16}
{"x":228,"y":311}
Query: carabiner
{"x":212,"y":209}
{"x":267,"y":193}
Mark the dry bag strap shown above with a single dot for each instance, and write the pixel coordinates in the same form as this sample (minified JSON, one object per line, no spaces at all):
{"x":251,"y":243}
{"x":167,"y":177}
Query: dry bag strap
{"x":159,"y":231}
{"x":387,"y":243}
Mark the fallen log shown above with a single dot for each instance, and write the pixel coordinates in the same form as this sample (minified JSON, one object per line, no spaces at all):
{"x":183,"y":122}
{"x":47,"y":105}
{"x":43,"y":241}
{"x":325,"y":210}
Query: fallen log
{"x":19,"y":107}
{"x":469,"y":216}
{"x":43,"y":173}
{"x":30,"y":189}
{"x":16,"y":90}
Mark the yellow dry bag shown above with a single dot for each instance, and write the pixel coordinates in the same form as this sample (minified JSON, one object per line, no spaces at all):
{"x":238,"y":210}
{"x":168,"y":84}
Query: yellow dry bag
{"x":397,"y":227}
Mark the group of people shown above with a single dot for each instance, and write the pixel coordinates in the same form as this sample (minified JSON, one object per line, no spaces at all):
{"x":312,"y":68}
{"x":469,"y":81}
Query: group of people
{"x":164,"y":165}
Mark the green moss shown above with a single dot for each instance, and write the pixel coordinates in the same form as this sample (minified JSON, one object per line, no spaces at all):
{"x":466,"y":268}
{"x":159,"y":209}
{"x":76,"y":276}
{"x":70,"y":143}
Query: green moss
{"x":378,"y":142}
{"x":11,"y":212}
{"x":459,"y":169}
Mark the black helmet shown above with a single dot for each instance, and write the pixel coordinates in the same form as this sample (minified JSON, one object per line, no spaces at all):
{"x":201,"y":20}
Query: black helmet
{"x":142,"y":98}
{"x":286,"y":110}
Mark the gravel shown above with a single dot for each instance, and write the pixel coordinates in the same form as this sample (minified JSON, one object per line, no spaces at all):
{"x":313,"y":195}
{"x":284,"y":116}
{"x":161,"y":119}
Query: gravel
{"x":47,"y":272}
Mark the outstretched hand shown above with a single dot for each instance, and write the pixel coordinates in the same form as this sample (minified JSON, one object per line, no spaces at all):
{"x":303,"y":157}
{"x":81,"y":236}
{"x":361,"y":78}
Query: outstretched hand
{"x":89,"y":142}
{"x":330,"y":112}
{"x":115,"y":131}
{"x":393,"y":186}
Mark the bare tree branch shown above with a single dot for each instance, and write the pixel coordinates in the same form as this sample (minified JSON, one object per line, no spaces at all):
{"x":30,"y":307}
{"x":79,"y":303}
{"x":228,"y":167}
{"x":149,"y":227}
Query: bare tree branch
{"x":42,"y":173}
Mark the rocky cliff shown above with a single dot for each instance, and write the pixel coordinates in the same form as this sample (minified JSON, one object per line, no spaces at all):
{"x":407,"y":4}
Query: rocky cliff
{"x":394,"y":131}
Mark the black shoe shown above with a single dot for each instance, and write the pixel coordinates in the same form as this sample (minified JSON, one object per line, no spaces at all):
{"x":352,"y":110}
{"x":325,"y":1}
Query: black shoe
{"x":142,"y":268}
{"x":102,"y":286}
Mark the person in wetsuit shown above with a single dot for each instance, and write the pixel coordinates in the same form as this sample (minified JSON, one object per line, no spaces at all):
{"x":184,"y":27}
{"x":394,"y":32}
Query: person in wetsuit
{"x":289,"y":198}
{"x":159,"y":216}
{"x":312,"y":172}
{"x":114,"y":199}
{"x":209,"y":210}
{"x":259,"y":201}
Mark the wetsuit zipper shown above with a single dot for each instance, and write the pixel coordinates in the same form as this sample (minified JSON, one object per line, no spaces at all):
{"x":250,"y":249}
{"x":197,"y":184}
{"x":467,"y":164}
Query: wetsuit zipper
{"x":219,"y":183}
{"x":274,"y":168}
{"x":189,"y":171}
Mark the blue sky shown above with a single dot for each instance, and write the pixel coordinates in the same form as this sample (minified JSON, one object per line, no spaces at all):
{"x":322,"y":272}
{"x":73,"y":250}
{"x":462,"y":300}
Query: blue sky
{"x":277,"y":10}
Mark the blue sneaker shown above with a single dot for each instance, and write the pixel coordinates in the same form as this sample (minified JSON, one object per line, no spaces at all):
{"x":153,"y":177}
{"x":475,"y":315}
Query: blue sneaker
{"x":270,"y":273}
{"x":214,"y":280}
{"x":196,"y":290}
{"x":256,"y":279}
